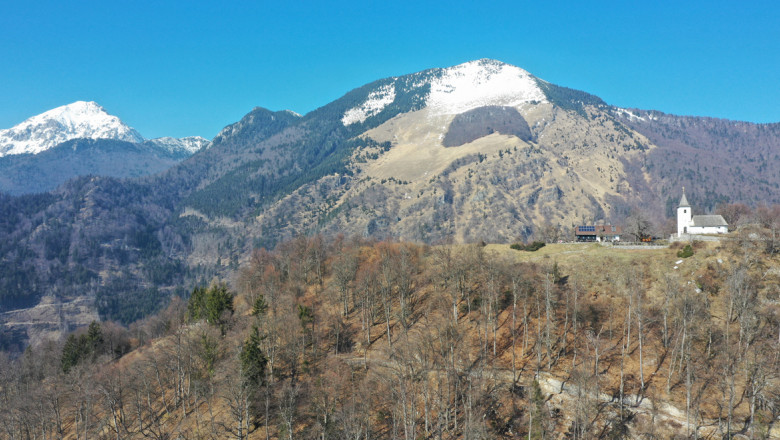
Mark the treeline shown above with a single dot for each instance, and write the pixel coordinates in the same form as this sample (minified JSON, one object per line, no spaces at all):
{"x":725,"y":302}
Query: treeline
{"x":348,"y":338}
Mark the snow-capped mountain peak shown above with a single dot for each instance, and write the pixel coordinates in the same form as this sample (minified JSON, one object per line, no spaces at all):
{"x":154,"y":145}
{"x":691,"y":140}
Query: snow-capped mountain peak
{"x":81,"y":119}
{"x":479,"y":83}
{"x":454,"y":90}
{"x":186,"y":145}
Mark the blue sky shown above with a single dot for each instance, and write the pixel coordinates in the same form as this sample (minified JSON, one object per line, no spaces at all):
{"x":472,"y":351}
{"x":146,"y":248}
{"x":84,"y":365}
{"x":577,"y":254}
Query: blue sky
{"x":190,"y":68}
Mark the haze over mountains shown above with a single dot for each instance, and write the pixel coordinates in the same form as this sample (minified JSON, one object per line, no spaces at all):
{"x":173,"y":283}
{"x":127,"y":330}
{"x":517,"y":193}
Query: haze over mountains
{"x":480,"y":151}
{"x":79,"y":139}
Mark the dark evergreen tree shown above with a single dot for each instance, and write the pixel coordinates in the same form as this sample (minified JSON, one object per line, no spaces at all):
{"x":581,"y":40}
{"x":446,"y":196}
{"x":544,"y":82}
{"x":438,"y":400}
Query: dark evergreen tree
{"x":78,"y":348}
{"x":71,"y":353}
{"x":260,"y":307}
{"x":94,"y":341}
{"x":197,"y":303}
{"x":211,"y":304}
{"x":218,"y":301}
{"x":253,"y":360}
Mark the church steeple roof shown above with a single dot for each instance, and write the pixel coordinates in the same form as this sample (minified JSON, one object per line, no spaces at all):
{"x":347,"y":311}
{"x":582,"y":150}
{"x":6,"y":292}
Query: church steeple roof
{"x":683,"y":201}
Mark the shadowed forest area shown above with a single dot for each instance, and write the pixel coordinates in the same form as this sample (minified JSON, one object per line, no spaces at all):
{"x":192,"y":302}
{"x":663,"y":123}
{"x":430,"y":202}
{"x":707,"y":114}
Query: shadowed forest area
{"x":355,"y":339}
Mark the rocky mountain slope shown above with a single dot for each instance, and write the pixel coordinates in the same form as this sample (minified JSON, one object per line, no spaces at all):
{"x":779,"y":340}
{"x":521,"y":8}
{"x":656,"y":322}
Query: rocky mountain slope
{"x":479,"y":151}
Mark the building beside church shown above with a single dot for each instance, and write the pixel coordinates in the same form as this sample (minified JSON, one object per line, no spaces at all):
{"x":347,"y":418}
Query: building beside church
{"x":598,"y":233}
{"x":689,"y":224}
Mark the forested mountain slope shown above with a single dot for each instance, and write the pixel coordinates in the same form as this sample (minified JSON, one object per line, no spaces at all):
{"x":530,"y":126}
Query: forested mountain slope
{"x":726,"y":161}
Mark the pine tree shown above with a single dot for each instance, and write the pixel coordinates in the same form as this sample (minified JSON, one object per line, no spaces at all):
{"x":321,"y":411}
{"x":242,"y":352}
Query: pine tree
{"x":210,"y":304}
{"x":196,"y":304}
{"x":218,"y":300}
{"x":94,"y":341}
{"x":76,"y":349}
{"x":260,"y":307}
{"x":253,"y":361}
{"x":71,"y":353}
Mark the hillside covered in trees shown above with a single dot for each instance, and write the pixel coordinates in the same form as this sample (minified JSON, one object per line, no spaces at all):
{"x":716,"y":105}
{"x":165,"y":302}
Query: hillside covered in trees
{"x":348,"y":338}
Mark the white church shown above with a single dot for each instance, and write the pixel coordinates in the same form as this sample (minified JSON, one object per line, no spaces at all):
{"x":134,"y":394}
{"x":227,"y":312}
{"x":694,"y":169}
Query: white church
{"x":689,"y":224}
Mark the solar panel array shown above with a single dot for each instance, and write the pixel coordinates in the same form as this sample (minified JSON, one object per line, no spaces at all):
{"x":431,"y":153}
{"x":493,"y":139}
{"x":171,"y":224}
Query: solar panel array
{"x":587,"y":229}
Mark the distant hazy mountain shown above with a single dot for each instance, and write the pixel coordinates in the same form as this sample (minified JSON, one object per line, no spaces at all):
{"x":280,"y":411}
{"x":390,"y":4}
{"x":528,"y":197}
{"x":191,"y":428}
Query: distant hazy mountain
{"x":479,"y":151}
{"x":82,"y":139}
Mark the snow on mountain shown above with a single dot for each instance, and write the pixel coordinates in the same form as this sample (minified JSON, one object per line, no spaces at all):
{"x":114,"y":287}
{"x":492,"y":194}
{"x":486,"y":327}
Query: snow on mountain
{"x":187,"y":145}
{"x":480,"y":83}
{"x":376,"y":102}
{"x":457,"y":89}
{"x":80,"y":119}
{"x":631,"y":115}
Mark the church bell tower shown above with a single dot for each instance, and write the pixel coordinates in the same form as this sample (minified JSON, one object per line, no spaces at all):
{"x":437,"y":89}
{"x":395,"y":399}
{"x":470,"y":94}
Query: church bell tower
{"x":683,"y":215}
